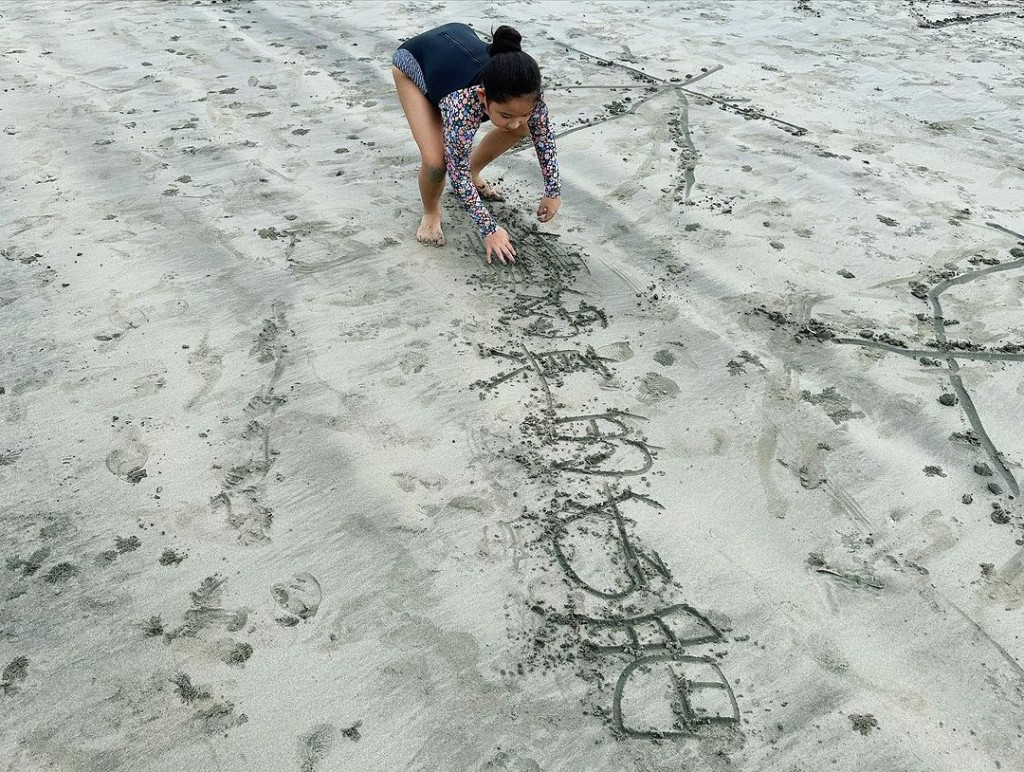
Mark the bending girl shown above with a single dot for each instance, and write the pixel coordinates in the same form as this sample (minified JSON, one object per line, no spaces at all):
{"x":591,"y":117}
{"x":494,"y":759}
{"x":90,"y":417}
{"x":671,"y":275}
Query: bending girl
{"x":449,"y":82}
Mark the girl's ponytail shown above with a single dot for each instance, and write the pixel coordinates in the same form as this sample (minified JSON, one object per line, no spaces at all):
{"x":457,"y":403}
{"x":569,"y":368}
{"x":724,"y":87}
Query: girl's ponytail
{"x":505,"y":40}
{"x":510,"y":72}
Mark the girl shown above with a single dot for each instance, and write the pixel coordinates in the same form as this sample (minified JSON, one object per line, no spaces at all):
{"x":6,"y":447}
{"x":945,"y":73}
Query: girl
{"x":449,"y":82}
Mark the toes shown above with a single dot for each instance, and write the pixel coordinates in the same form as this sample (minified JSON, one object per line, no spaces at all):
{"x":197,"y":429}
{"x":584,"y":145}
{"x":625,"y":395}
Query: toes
{"x":490,"y":192}
{"x":431,"y":238}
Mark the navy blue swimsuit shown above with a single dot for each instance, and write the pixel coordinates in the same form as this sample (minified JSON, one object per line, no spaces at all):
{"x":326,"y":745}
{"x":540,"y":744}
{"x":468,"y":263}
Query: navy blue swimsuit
{"x":450,"y":56}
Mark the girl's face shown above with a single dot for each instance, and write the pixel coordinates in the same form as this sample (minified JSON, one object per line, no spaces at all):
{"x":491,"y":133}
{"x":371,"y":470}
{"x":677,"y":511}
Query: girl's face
{"x":511,"y":115}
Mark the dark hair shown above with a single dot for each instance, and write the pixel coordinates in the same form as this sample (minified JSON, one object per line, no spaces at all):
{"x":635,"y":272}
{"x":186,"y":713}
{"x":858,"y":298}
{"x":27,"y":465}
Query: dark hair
{"x":510,"y":72}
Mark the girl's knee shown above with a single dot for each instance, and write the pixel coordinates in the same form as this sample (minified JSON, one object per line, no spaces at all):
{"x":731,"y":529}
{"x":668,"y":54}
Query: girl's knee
{"x":435,"y":171}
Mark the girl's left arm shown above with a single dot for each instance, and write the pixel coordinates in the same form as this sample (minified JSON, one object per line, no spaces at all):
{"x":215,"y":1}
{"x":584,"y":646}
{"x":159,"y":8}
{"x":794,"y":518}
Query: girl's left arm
{"x":544,"y":143}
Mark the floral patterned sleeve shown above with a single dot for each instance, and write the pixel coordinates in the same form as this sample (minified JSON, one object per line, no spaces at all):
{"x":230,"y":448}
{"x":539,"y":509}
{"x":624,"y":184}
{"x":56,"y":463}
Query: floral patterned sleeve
{"x":544,"y":142}
{"x":461,"y":116}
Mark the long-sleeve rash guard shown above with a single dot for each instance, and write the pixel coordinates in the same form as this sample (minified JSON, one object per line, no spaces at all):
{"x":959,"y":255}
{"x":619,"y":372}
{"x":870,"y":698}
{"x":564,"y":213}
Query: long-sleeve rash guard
{"x":461,"y":116}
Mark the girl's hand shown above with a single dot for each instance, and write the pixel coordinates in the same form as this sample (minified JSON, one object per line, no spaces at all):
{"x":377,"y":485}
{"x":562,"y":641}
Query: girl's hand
{"x":548,"y":208}
{"x":499,"y":244}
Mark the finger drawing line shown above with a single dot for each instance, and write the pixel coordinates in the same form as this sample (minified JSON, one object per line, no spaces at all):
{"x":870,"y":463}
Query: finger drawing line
{"x":638,"y":567}
{"x":690,"y":713}
{"x":592,"y":428}
{"x":550,"y":308}
{"x":602,"y":452}
{"x":659,"y":639}
{"x":656,"y":633}
{"x":547,"y":364}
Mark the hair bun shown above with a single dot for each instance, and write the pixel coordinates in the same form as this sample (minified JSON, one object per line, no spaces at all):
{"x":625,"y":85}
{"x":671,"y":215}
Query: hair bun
{"x":506,"y":40}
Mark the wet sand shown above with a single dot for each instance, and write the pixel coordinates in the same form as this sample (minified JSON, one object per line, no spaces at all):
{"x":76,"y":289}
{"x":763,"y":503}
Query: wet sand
{"x":722,"y":474}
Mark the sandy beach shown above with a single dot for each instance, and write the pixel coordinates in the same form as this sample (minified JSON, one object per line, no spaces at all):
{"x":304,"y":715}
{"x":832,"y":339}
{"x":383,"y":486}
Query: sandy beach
{"x":723,"y":474}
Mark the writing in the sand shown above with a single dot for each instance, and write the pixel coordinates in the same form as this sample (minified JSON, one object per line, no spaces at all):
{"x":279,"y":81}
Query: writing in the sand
{"x":665,"y":687}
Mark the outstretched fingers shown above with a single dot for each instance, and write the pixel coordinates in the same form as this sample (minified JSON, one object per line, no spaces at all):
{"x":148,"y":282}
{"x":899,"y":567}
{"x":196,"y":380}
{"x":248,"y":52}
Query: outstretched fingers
{"x":500,"y":246}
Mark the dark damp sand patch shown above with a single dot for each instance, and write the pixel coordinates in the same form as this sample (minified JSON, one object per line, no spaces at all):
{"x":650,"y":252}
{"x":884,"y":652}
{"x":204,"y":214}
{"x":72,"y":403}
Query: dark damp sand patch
{"x":352,"y":732}
{"x":737,"y":365}
{"x":60,"y":573}
{"x":153,"y":627}
{"x":214,"y":718}
{"x":665,"y":357}
{"x":238,"y":654}
{"x":836,"y":406}
{"x":8,"y":457}
{"x":14,"y":673}
{"x":187,"y":691}
{"x":127,"y":544}
{"x":655,"y":387}
{"x":864,"y":723}
{"x":30,"y":565}
{"x":968,"y":438}
{"x":171,"y":557}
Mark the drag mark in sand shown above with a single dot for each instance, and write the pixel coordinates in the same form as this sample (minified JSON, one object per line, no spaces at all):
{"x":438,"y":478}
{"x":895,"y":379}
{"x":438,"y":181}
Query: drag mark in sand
{"x":653,"y":87}
{"x":927,"y":23}
{"x":634,"y":621}
{"x":952,"y":351}
{"x":628,"y":567}
{"x":750,"y":113}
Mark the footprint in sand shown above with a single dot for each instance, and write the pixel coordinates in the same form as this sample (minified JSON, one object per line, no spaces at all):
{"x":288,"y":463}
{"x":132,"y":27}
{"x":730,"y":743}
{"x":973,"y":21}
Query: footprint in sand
{"x":617,"y":352}
{"x":128,"y":460}
{"x":315,"y":745}
{"x":300,"y":597}
{"x":121,"y":323}
{"x":655,"y":387}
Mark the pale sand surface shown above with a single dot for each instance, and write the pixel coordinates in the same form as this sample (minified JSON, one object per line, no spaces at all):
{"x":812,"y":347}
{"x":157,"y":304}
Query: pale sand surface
{"x":268,"y":503}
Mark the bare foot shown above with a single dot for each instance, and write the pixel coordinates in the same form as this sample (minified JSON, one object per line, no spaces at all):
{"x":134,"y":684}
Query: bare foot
{"x":430,"y":231}
{"x":488,"y":192}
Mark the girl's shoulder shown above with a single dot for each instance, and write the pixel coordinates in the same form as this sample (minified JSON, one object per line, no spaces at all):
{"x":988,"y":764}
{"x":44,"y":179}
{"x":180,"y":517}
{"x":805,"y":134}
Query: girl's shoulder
{"x":463,"y":101}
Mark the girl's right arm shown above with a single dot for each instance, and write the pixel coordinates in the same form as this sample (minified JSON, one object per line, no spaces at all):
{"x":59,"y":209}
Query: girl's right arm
{"x":461,"y":116}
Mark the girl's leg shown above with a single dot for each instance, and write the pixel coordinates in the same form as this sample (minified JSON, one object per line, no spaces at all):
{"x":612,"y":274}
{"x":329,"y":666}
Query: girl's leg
{"x":425,"y":122}
{"x":494,"y":143}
